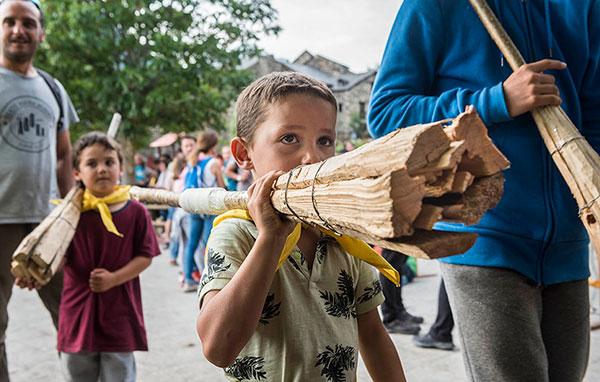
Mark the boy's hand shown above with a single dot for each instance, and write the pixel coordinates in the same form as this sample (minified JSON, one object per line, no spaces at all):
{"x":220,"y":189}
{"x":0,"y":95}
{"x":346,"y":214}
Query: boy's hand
{"x":26,"y":282}
{"x":101,"y":280}
{"x":259,"y":205}
{"x":529,"y":88}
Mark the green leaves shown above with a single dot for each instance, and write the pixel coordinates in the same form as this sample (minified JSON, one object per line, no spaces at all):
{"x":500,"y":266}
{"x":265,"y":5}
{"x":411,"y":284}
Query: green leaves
{"x":172,"y":64}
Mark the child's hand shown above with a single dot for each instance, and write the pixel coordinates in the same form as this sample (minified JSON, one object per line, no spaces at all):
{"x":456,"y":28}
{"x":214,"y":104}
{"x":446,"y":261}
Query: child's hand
{"x":26,"y":282}
{"x":101,"y":280}
{"x":259,"y":205}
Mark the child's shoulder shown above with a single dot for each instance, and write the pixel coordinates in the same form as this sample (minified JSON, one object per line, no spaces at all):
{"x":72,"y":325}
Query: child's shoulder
{"x":233,"y":232}
{"x":235,"y":225}
{"x":132,"y":209}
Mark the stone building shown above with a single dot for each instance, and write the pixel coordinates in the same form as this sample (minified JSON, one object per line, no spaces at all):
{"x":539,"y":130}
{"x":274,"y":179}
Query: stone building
{"x":352,"y":90}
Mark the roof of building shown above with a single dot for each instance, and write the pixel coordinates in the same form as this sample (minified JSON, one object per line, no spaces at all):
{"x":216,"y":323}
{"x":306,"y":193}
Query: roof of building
{"x":336,"y":82}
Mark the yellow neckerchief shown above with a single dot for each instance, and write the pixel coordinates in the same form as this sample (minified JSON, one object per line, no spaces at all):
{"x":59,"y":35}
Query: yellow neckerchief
{"x":354,"y":247}
{"x":90,"y":202}
{"x":594,"y":283}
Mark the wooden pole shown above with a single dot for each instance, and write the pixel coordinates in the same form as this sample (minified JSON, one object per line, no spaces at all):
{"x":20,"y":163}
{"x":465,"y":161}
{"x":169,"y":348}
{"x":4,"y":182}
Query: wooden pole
{"x":113,"y":128}
{"x":576,"y":160}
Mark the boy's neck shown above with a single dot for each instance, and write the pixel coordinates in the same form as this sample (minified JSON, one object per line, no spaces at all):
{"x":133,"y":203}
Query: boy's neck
{"x":116,"y":206}
{"x":308,"y":243}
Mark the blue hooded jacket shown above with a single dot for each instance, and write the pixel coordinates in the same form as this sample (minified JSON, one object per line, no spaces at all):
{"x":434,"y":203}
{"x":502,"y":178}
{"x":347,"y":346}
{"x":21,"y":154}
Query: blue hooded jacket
{"x":439,"y":58}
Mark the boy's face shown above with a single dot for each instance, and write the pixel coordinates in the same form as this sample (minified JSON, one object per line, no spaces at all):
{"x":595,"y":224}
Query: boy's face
{"x":99,"y":170}
{"x":299,"y":129}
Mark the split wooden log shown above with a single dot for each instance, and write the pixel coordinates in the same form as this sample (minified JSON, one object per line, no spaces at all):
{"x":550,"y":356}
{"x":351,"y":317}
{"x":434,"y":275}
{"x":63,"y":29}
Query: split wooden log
{"x":40,"y":252}
{"x":389,"y":192}
{"x":576,"y":160}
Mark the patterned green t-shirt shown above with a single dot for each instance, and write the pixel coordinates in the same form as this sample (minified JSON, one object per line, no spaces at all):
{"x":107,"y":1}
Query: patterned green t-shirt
{"x":308,"y":329}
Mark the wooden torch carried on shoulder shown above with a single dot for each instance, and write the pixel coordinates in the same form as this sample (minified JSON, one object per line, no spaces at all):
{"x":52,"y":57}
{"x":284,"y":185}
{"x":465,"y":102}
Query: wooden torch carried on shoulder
{"x":576,"y":160}
{"x":388,"y":192}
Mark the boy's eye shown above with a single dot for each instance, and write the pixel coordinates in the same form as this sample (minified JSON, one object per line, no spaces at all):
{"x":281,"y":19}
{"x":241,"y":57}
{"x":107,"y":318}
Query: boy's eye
{"x":325,"y":141}
{"x":289,"y":139}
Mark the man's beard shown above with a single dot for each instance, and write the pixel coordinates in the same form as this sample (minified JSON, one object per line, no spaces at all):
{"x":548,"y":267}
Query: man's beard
{"x":21,"y":56}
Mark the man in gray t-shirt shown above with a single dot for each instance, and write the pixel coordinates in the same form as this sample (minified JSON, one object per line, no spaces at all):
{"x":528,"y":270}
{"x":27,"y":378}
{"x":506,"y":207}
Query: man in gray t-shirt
{"x":35,"y":153}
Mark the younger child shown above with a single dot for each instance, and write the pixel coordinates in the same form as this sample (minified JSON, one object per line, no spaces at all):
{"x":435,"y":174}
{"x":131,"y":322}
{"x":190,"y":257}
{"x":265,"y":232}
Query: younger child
{"x":101,"y":321}
{"x":307,"y":319}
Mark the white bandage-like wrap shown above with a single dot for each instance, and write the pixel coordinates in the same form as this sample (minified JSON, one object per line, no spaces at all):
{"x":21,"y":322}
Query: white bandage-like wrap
{"x":209,"y":201}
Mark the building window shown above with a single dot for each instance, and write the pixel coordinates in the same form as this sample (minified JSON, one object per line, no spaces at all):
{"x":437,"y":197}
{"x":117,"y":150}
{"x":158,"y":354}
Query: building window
{"x":340,"y":107}
{"x":362,"y":109}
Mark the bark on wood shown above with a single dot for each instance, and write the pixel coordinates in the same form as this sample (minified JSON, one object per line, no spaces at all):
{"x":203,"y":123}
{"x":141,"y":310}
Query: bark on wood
{"x":482,"y":195}
{"x":46,"y":245}
{"x":481,"y":158}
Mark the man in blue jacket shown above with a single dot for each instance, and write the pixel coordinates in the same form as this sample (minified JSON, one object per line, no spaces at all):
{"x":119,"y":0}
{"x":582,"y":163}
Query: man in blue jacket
{"x":520,"y":295}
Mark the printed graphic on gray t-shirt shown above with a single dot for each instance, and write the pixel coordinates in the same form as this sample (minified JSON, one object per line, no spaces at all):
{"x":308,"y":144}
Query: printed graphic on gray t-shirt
{"x":28,"y":117}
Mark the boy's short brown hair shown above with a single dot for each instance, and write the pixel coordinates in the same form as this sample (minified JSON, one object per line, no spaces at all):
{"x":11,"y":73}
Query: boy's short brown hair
{"x":253,"y":102}
{"x":90,"y":139}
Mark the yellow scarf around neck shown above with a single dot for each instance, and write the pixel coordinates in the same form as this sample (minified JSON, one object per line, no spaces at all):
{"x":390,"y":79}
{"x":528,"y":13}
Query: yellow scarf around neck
{"x":90,"y":202}
{"x":354,"y":247}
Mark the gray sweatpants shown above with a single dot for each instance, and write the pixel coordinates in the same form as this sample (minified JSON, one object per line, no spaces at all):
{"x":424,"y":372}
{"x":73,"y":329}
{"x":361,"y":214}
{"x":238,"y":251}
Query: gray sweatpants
{"x":512,"y":330}
{"x":98,"y":366}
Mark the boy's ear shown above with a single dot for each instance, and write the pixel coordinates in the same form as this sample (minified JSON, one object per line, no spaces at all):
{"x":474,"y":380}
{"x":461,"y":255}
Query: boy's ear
{"x":241,"y":154}
{"x":76,"y":175}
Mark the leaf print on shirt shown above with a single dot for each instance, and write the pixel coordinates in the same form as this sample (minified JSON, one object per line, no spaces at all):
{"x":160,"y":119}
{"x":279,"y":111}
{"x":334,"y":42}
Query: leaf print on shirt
{"x":370,"y":292}
{"x":270,"y":309}
{"x":321,"y":250}
{"x":247,"y":368}
{"x":341,"y":304}
{"x":294,"y":263}
{"x":336,"y":362}
{"x":214,"y":264}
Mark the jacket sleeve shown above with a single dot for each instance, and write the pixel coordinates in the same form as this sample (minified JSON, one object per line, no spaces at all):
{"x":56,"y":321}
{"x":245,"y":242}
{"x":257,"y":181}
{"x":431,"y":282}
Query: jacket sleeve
{"x":590,"y":91}
{"x":403,"y":90}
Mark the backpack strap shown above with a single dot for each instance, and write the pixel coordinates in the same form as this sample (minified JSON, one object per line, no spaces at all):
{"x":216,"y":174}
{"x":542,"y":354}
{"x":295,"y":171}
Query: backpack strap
{"x":56,"y":91}
{"x":202,"y":166}
{"x":191,"y":177}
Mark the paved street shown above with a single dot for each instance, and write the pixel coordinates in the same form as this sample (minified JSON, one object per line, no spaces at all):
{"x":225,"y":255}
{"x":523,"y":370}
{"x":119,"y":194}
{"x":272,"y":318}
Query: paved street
{"x":175,"y":351}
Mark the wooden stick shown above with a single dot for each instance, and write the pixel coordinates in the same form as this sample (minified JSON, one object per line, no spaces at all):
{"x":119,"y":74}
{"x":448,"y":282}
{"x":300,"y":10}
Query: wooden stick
{"x":114,"y":125}
{"x":576,"y":160}
{"x":39,"y":253}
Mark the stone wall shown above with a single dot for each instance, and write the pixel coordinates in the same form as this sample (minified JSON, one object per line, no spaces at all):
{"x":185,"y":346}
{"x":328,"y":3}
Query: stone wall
{"x":350,"y":101}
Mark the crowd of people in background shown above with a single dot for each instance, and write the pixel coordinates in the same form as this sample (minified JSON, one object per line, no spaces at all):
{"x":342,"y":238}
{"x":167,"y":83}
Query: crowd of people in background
{"x":185,"y":234}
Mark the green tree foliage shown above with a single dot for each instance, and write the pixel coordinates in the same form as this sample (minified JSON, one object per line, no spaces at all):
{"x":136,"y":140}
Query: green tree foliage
{"x":358,"y":125}
{"x":162,"y":63}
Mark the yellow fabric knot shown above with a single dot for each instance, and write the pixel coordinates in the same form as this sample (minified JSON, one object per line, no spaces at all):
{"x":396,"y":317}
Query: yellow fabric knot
{"x":594,"y":283}
{"x":354,"y":247}
{"x":90,"y":202}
